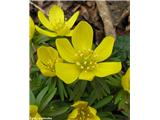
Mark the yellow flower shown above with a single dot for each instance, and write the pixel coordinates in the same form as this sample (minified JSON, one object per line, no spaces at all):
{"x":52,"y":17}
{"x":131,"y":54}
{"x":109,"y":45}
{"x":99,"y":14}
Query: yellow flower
{"x":34,"y":115}
{"x":126,"y":81}
{"x":31,"y":28}
{"x":56,"y":24}
{"x":83,"y":112}
{"x":84,"y":63}
{"x":47,"y":57}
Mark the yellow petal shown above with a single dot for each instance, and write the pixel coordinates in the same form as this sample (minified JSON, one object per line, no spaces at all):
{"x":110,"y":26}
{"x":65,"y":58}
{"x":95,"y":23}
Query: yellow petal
{"x":73,"y":114}
{"x":37,"y":117}
{"x":45,"y":32}
{"x":96,"y":118}
{"x":44,"y":21}
{"x":104,"y":50}
{"x":87,"y":75}
{"x":107,"y":68}
{"x":56,"y":15}
{"x":47,"y":57}
{"x":92,"y":110}
{"x":67,"y":72}
{"x":80,"y":103}
{"x":126,"y":81}
{"x":31,"y":28}
{"x":82,"y":36}
{"x":72,"y":20}
{"x":69,"y":33}
{"x":33,"y":110}
{"x":65,"y":49}
{"x":46,"y":53}
{"x":44,"y":70}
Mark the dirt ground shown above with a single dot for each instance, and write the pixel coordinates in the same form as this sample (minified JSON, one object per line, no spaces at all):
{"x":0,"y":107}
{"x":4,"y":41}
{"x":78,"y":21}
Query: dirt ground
{"x":115,"y":21}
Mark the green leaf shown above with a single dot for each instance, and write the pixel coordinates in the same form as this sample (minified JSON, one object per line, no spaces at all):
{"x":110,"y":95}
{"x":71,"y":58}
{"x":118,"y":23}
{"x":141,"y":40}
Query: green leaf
{"x":47,"y":98}
{"x":99,"y":91}
{"x":79,"y":89}
{"x":114,"y":80}
{"x":34,"y":68}
{"x":92,"y":97}
{"x":32,"y":98}
{"x":103,"y":102}
{"x":104,"y":85}
{"x":121,"y":49}
{"x":60,"y":111}
{"x":119,"y":97}
{"x":61,"y":90}
{"x":41,"y":95}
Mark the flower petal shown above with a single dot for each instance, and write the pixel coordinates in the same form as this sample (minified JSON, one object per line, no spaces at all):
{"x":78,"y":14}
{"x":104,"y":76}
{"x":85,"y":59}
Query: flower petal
{"x":33,"y":110}
{"x":65,"y":49}
{"x":37,"y":117}
{"x":79,"y":103}
{"x":31,"y":28}
{"x":45,"y":32}
{"x":96,"y":118}
{"x":47,"y":56}
{"x":56,"y":15}
{"x":82,"y":36}
{"x":104,"y":50}
{"x":107,"y":68}
{"x":47,"y":53}
{"x":72,"y":20}
{"x":73,"y":114}
{"x":44,"y":20}
{"x":67,"y":72}
{"x":44,"y":70}
{"x":87,"y":75}
{"x":92,"y":110}
{"x":126,"y":81}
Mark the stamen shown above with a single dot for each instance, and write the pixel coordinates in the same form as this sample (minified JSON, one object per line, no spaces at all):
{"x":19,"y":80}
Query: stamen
{"x":93,"y":66}
{"x":78,"y":63}
{"x":95,"y":56}
{"x":85,"y":62}
{"x":79,"y":51}
{"x":82,"y":67}
{"x":88,"y":68}
{"x":76,"y":54}
{"x":81,"y":54}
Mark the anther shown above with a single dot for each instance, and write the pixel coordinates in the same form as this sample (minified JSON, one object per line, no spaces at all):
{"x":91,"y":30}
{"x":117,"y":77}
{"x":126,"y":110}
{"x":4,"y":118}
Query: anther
{"x":76,"y":54}
{"x":85,"y":62}
{"x":95,"y":56}
{"x":78,"y":63}
{"x":82,"y":67}
{"x":81,"y":54}
{"x":93,"y":66}
{"x":88,"y":68}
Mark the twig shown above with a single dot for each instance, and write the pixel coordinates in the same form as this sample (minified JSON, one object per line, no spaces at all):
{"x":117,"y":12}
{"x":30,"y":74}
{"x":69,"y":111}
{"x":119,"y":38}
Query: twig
{"x":36,"y":6}
{"x":106,"y":18}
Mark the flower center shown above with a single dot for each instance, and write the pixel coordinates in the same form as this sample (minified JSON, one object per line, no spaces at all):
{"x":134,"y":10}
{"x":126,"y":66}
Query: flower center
{"x":86,"y":60}
{"x":50,"y":65}
{"x":84,"y":114}
{"x":60,"y":28}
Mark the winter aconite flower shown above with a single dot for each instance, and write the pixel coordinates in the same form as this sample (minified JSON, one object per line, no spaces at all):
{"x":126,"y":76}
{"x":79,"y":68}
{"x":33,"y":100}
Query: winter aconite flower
{"x":83,"y":62}
{"x":34,"y":115}
{"x":31,"y":28}
{"x":126,"y":81}
{"x":83,"y":112}
{"x":47,"y":57}
{"x":56,"y":24}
